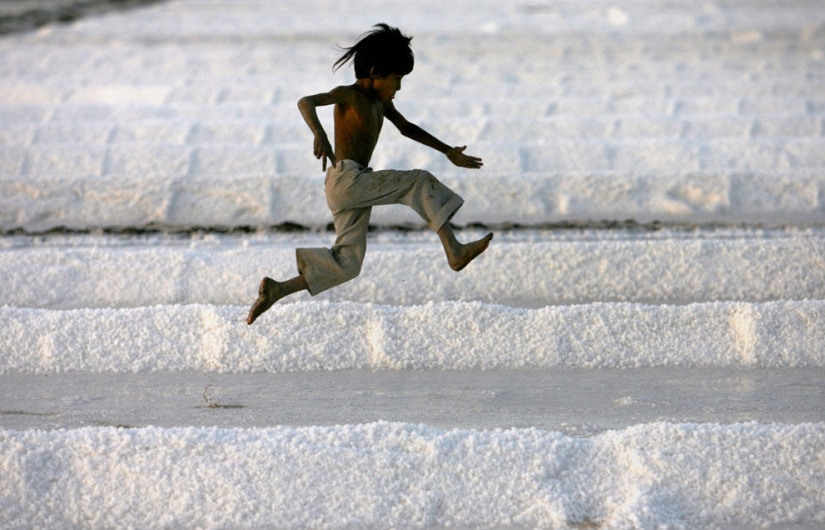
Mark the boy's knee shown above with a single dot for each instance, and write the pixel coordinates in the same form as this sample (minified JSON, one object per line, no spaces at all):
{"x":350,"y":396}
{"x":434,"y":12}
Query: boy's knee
{"x":350,"y":259}
{"x":351,"y":270}
{"x":428,"y":181}
{"x":426,"y":176}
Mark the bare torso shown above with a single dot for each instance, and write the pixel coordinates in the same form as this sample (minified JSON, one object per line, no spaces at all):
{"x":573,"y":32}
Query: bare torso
{"x":359,"y":114}
{"x":358,"y":122}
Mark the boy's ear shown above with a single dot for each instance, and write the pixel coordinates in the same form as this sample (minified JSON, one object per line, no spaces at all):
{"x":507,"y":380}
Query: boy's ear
{"x":374,"y":74}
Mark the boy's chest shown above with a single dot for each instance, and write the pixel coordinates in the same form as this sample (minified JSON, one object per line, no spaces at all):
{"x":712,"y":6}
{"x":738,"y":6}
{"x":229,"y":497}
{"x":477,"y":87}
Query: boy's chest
{"x":364,"y":118}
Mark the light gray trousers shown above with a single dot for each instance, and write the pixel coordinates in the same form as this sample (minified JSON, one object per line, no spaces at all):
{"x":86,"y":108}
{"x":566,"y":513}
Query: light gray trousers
{"x":351,"y":191}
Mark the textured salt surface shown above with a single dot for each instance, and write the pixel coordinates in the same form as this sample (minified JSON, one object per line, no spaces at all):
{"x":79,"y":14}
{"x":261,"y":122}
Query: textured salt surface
{"x":182,"y":115}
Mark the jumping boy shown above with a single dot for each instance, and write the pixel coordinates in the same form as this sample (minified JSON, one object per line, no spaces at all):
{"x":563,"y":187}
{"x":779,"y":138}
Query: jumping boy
{"x":381,"y":58}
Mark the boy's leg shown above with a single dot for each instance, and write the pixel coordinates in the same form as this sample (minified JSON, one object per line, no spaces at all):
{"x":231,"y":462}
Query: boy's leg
{"x":433,"y":201}
{"x":320,"y":269}
{"x":324,"y":268}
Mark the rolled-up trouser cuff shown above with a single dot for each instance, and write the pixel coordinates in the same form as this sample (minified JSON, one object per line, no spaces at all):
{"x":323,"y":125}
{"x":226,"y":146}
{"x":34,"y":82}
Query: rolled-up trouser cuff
{"x":446,"y":213}
{"x":311,"y":266}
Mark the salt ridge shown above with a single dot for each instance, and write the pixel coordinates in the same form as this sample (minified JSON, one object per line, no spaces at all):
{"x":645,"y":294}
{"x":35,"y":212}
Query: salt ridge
{"x":665,"y":268}
{"x":447,"y":335}
{"x":137,"y":199}
{"x":388,"y":474}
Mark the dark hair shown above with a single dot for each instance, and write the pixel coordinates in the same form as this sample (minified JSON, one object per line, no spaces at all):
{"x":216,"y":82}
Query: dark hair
{"x":385,"y":49}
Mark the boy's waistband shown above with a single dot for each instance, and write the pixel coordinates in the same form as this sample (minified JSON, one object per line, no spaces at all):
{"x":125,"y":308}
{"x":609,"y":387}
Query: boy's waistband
{"x":341,"y":165}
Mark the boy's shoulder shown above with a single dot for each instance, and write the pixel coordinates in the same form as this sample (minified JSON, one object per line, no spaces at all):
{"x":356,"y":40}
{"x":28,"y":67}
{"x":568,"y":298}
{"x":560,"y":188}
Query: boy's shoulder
{"x":350,"y":95}
{"x":344,"y":92}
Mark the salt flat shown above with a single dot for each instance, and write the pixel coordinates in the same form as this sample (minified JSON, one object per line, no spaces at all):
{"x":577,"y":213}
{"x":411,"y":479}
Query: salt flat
{"x":572,"y":401}
{"x":642,"y":345}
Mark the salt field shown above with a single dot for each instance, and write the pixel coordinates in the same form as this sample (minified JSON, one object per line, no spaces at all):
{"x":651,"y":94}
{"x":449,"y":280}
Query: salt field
{"x":642,"y":345}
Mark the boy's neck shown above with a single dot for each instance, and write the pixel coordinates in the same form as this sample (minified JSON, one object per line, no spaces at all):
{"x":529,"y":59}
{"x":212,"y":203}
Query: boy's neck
{"x":365,"y":85}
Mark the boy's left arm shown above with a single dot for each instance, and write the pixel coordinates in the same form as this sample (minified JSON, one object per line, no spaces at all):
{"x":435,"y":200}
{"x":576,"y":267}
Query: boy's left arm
{"x":414,"y":132}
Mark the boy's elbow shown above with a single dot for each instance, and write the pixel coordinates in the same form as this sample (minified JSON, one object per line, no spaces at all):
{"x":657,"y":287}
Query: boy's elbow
{"x":408,"y":130}
{"x":306,"y":103}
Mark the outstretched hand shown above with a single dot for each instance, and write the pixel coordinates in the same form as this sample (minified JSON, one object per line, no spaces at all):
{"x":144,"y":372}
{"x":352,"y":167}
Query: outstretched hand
{"x":457,"y":157}
{"x":323,"y":150}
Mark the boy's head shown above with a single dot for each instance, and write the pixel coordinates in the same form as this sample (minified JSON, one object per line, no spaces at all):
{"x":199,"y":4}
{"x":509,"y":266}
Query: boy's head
{"x":381,"y":52}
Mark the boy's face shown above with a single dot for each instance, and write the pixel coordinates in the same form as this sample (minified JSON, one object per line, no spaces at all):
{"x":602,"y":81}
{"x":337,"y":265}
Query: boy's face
{"x":386,"y":86}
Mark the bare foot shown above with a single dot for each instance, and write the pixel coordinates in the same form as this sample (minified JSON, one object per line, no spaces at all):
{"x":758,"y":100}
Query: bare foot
{"x":271,"y":291}
{"x":464,"y":254}
{"x":268,"y":293}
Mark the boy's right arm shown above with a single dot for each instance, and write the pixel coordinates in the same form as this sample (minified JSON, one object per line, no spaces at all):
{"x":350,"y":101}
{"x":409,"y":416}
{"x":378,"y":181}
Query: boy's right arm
{"x":322,"y":149}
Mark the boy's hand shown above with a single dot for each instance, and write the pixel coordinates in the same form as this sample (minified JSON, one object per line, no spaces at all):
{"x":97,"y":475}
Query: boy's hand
{"x":457,"y":157}
{"x":322,"y":149}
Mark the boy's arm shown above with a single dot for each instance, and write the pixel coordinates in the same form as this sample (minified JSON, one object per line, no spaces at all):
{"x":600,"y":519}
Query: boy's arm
{"x":321,"y":148}
{"x":414,"y":132}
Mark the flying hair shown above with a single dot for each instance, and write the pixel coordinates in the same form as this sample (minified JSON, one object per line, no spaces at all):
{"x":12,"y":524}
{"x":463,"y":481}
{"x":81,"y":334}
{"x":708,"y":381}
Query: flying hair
{"x":382,"y":51}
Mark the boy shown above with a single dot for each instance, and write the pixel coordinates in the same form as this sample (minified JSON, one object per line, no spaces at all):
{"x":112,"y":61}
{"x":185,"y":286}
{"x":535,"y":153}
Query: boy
{"x":381,"y":58}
